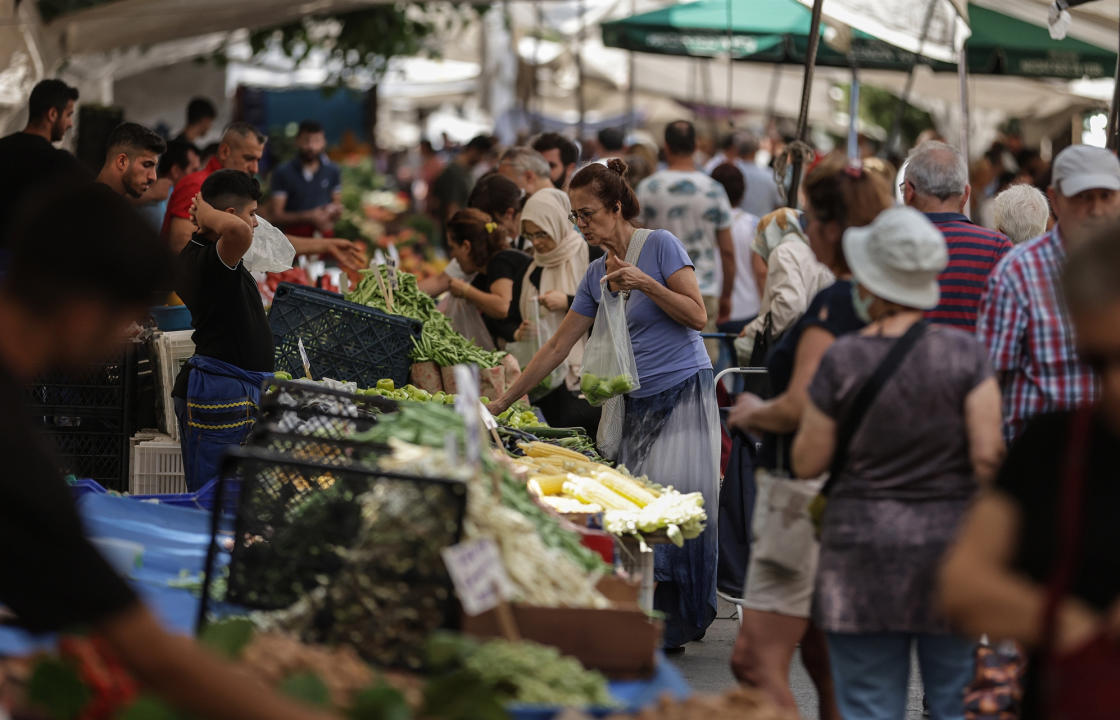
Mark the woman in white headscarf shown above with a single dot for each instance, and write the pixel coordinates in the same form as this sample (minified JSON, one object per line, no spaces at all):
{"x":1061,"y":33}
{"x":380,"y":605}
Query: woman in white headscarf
{"x":793,"y":278}
{"x":560,"y":260}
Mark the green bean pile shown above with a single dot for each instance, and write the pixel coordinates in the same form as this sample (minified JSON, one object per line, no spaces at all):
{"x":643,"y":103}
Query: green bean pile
{"x":438,"y":343}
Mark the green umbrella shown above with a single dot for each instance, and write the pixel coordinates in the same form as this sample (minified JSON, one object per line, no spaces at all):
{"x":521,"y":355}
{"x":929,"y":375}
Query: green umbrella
{"x":1004,"y":45}
{"x":777,"y":31}
{"x":772,"y":31}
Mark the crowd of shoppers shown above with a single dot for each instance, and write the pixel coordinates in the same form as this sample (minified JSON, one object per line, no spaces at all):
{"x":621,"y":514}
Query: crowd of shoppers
{"x":906,"y":348}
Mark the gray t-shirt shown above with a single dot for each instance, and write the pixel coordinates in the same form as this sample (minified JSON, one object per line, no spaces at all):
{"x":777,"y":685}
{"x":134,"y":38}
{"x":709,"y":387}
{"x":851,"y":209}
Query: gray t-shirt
{"x":913,"y":442}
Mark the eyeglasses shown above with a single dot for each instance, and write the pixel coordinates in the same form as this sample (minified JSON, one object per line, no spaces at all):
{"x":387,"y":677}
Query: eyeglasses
{"x":582,"y":217}
{"x":534,"y":237}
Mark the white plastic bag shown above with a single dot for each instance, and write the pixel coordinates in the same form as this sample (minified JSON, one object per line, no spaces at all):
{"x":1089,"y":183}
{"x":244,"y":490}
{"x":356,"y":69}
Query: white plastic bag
{"x":609,"y":368}
{"x":270,"y":251}
{"x":466,"y":319}
{"x":544,"y":326}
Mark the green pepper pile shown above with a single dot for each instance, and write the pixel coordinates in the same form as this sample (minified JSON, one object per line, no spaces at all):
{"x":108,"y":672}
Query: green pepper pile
{"x":438,"y":343}
{"x":597,"y":389}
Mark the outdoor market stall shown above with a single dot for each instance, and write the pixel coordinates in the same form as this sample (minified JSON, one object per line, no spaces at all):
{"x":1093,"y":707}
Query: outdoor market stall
{"x":368,"y":515}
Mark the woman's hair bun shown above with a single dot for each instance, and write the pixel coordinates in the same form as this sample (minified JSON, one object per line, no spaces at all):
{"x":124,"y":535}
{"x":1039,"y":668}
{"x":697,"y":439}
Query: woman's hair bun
{"x":618,"y":165}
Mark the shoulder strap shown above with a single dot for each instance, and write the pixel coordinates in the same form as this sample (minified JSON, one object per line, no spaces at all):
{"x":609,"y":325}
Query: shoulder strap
{"x":848,"y":426}
{"x":637,"y":242}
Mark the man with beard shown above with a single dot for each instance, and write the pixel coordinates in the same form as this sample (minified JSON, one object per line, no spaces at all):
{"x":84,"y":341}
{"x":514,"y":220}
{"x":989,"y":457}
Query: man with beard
{"x":1023,"y":320}
{"x":29,"y":159}
{"x":305,"y":192}
{"x":131,"y":158}
{"x":562,"y":155}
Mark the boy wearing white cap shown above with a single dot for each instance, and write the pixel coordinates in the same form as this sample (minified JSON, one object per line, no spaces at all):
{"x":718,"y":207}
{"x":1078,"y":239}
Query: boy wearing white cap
{"x":1023,"y":321}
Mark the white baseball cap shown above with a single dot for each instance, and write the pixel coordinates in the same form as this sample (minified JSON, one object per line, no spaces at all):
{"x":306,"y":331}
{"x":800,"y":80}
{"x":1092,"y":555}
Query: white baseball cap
{"x":1083,"y":167}
{"x":898,"y":257}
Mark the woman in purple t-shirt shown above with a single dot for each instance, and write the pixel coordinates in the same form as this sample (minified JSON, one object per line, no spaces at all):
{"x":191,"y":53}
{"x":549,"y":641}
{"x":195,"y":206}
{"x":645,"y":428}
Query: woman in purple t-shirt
{"x":671,"y":427}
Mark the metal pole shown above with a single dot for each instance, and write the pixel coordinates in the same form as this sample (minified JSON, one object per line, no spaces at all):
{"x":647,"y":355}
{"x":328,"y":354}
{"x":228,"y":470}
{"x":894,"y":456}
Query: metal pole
{"x":1113,"y":141}
{"x":631,"y":120}
{"x":730,"y":66}
{"x":896,"y":125}
{"x":853,"y":117}
{"x":966,"y":115}
{"x":806,"y":94}
{"x":535,"y":96}
{"x":579,"y":71}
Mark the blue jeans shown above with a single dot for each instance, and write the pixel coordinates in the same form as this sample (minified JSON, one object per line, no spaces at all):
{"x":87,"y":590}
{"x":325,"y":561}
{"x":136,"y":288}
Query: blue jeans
{"x":871,"y":673}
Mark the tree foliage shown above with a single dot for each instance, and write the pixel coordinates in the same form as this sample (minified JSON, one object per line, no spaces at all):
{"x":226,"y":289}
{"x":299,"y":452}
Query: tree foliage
{"x":361,"y":41}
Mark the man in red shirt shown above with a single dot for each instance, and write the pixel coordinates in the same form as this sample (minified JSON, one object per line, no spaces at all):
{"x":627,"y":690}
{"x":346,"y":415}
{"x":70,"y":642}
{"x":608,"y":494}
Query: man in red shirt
{"x":936,"y":183}
{"x":241,"y":149}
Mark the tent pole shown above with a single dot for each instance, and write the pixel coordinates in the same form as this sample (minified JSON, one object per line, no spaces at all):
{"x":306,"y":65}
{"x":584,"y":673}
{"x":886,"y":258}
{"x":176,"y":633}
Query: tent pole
{"x":806,"y":94}
{"x":1113,"y":141}
{"x":966,"y":114}
{"x":631,"y":120}
{"x":730,"y":65}
{"x":579,"y":71}
{"x":904,"y":99}
{"x":853,"y":117}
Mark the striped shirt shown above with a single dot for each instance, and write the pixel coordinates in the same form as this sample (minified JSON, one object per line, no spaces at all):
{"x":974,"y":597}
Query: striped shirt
{"x":1024,"y":324}
{"x":974,"y":252}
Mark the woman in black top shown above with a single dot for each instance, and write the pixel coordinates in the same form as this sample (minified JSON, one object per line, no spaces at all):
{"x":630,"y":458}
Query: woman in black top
{"x":1053,"y":513}
{"x":480,"y":246}
{"x":776,"y":603}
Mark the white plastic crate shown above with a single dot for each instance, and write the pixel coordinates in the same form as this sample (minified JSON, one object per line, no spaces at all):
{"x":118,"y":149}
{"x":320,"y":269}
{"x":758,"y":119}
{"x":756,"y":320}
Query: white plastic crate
{"x":172,"y":350}
{"x":156,"y":467}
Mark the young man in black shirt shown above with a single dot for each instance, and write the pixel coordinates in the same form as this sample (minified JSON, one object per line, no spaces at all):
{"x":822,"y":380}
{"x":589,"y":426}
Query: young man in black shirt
{"x":131,"y":158}
{"x":28,"y":160}
{"x":83,"y":267}
{"x":217,"y":390}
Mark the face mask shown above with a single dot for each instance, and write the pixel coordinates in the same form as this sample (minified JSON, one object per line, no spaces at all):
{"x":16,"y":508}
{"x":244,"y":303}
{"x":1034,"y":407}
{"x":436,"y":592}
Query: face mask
{"x":861,"y":306}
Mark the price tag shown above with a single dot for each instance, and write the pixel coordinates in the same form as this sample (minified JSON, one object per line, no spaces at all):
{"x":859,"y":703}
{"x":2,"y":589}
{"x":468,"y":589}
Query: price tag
{"x":488,"y":420}
{"x":478,"y":574}
{"x":378,"y":258}
{"x":394,"y":282}
{"x":303,"y":358}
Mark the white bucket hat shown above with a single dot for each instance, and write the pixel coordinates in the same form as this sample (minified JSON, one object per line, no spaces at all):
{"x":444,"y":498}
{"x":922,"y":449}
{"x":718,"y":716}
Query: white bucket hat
{"x":898,"y":257}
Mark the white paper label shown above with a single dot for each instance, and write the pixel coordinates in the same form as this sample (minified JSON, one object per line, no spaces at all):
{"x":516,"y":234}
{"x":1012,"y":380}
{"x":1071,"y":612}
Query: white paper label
{"x":467,"y":404}
{"x":478,"y":574}
{"x":303,"y":357}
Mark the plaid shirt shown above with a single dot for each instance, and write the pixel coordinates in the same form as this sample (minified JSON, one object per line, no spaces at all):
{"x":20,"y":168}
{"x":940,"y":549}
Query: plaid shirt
{"x":974,"y":252}
{"x":1024,"y":324}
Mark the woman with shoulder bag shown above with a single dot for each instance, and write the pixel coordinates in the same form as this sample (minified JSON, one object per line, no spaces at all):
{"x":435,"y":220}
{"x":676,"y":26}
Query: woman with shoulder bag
{"x":906,"y":416}
{"x":1036,"y":558}
{"x":791,"y":277}
{"x":670,"y":424}
{"x":783,"y":561}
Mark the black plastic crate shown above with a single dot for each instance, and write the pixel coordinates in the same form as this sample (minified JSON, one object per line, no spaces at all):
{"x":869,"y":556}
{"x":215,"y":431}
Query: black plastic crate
{"x":303,"y":408}
{"x":343,"y":340}
{"x":294,"y":519}
{"x":101,"y":388}
{"x":91,"y":447}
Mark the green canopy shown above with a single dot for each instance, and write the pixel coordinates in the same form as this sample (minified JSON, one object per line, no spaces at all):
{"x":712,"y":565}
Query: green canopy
{"x":772,"y":31}
{"x":1004,"y":45}
{"x":777,"y":31}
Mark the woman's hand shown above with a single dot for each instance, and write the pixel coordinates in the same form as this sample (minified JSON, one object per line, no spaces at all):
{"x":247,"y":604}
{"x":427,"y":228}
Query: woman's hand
{"x":523,"y":330}
{"x":554,"y":300}
{"x":627,"y":277}
{"x":745,"y":407}
{"x":459,"y":287}
{"x":201,"y":213}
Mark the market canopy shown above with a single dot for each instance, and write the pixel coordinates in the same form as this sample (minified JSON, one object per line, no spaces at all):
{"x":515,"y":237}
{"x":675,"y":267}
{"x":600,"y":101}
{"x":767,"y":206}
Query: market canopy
{"x":772,"y":31}
{"x":777,"y":31}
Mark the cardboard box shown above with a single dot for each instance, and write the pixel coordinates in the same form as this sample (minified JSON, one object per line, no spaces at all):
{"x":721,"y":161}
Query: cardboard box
{"x":621,"y":642}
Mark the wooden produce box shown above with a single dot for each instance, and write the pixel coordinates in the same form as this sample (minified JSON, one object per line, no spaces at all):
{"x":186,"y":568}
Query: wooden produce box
{"x":621,"y":642}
